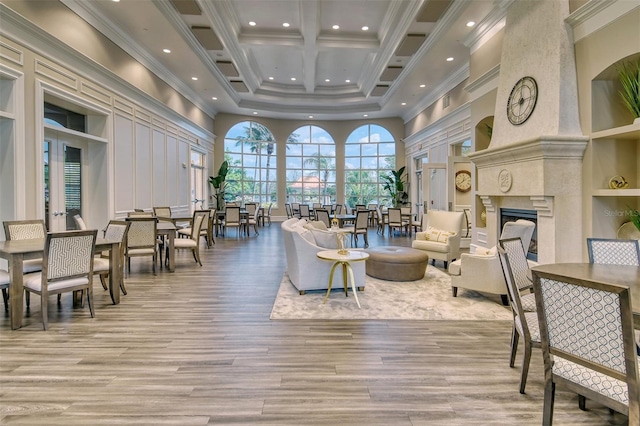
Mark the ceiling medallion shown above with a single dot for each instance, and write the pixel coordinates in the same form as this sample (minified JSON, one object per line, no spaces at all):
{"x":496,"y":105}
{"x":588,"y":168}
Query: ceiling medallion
{"x":505,"y":180}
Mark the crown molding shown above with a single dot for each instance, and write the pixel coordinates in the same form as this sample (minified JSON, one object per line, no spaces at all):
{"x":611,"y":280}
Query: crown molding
{"x":594,"y":15}
{"x":454,"y":118}
{"x":87,"y":12}
{"x":488,"y":27}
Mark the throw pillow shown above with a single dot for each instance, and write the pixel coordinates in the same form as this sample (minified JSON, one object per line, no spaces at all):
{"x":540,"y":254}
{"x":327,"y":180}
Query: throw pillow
{"x":438,"y":235}
{"x":306,"y":234}
{"x":325,"y":239}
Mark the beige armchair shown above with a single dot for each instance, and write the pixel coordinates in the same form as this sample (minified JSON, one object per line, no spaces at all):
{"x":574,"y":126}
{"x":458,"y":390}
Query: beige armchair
{"x":480,"y":270}
{"x":441,"y":237}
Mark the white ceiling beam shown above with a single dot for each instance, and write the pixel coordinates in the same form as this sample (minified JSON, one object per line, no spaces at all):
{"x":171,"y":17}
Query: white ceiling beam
{"x":309,"y":26}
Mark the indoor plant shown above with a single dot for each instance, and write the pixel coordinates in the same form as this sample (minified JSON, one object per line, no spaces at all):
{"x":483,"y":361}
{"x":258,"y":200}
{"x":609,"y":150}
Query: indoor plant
{"x":219,"y":183}
{"x":629,"y":77}
{"x":394,"y":182}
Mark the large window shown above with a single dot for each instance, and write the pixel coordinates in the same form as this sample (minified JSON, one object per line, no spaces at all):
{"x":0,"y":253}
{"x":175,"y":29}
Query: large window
{"x":250,"y":149}
{"x":369,"y":152}
{"x":311,"y":166}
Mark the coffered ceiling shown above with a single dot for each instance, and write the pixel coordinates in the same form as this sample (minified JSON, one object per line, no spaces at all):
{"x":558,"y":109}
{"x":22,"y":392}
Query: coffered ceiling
{"x":329,"y":59}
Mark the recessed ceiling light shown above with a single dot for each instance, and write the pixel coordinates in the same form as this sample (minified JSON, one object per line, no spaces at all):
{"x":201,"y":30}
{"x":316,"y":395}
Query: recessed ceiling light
{"x":285,"y":24}
{"x":252,"y":23}
{"x":449,"y":59}
{"x":270,"y":78}
{"x":115,"y":1}
{"x":214,"y":98}
{"x":336,"y":27}
{"x":366,"y":115}
{"x":311,"y":116}
{"x":194,"y":78}
{"x":255,"y":112}
{"x":327,"y":80}
{"x":293,"y":79}
{"x":470,"y":24}
{"x":403,"y":103}
{"x":423,"y":85}
{"x":365,"y":28}
{"x":166,"y":50}
{"x":347,"y":81}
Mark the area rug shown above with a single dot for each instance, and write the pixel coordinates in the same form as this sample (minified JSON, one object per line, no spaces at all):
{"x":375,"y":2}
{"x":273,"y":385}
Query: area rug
{"x":426,"y":299}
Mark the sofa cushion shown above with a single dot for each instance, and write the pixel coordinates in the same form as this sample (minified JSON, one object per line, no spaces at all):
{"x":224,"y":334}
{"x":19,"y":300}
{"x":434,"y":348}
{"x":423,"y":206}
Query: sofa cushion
{"x":325,"y":239}
{"x":433,"y":246}
{"x":316,"y":224}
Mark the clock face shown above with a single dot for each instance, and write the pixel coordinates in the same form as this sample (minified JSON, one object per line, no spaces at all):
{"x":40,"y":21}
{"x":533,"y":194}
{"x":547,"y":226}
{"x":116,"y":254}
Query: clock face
{"x":463,"y":181}
{"x":522,"y":100}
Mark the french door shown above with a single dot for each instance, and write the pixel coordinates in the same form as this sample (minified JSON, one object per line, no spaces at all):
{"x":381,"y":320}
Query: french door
{"x":63,"y":181}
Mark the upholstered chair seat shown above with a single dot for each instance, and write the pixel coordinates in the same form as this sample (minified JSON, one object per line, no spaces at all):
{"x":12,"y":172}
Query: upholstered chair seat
{"x":441,"y":235}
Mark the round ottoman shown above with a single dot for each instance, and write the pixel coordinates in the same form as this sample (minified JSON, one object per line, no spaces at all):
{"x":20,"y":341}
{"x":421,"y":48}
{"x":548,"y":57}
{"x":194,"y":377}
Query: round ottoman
{"x":393,"y":263}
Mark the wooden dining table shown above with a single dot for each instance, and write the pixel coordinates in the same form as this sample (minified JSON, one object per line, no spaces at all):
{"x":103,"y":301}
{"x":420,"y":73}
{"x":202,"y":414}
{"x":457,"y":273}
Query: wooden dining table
{"x":628,"y":276}
{"x":17,"y":251}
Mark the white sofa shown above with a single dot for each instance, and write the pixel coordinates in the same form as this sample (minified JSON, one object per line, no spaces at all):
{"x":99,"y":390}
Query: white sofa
{"x":441,"y":234}
{"x":480,"y":269}
{"x":306,"y":271}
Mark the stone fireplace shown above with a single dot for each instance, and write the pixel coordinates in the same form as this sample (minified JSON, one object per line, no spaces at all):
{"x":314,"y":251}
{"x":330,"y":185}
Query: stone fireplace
{"x":537,"y":165}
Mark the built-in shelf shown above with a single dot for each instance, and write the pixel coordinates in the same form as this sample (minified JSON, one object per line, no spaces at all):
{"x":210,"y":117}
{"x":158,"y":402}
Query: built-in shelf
{"x":631,"y":131}
{"x":629,"y":192}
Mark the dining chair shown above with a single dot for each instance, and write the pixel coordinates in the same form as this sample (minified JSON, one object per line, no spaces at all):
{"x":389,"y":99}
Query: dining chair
{"x":268,"y":215}
{"x":295,"y":208}
{"x":138,"y":210}
{"x":79,"y":221}
{"x":67,"y":266}
{"x":521,"y":271}
{"x":116,"y":230}
{"x":304,"y":212}
{"x":140,"y":214}
{"x":142,"y":239}
{"x":337,"y":209}
{"x":162,"y":213}
{"x":232,"y":219}
{"x":206,"y":230}
{"x":380,"y":218}
{"x":26,"y":230}
{"x":361,"y":227}
{"x":200,"y":218}
{"x":586,"y":330}
{"x":525,"y":324}
{"x":394,"y":220}
{"x":614,"y":252}
{"x":322,"y":215}
{"x":250,"y":208}
{"x":5,"y":280}
{"x":252,"y":220}
{"x":289,"y":210}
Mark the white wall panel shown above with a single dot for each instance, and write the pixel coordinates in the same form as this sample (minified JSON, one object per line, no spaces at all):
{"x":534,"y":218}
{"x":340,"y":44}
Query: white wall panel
{"x":172,"y":170}
{"x":159,"y":169}
{"x":143,"y":166}
{"x":124,"y":176}
{"x":184,"y":196}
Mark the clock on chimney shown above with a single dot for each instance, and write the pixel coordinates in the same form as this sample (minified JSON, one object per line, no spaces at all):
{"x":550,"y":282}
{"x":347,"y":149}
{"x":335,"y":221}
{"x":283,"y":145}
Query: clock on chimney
{"x":522,"y":100}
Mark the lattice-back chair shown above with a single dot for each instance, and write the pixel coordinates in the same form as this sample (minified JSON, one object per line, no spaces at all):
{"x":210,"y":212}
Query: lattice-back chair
{"x":268,"y":216}
{"x":162,"y":213}
{"x":394,"y":220}
{"x":322,"y":215}
{"x":79,"y":221}
{"x":614,"y":252}
{"x":525,"y":324}
{"x":250,"y":208}
{"x":232,"y":219}
{"x":67,"y":265}
{"x":141,"y":213}
{"x":116,"y":230}
{"x":142,"y":239}
{"x":586,"y":329}
{"x":520,"y":269}
{"x":304,"y":211}
{"x":361,"y":227}
{"x":26,"y":230}
{"x":206,"y":230}
{"x":199,"y":221}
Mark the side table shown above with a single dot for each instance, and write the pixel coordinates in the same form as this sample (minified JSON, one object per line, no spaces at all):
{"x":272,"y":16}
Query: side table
{"x":345,"y":261}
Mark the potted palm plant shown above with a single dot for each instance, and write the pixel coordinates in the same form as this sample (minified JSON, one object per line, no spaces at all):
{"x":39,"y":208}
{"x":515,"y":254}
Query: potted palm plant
{"x":394,"y":182}
{"x":219,"y":183}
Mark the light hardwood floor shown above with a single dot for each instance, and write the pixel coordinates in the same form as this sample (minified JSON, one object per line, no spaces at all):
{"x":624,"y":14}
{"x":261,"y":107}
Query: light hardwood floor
{"x":197,"y":347}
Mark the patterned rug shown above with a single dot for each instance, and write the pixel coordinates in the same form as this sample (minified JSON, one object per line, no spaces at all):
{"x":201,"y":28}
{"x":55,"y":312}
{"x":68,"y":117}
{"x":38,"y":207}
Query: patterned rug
{"x":426,"y":299}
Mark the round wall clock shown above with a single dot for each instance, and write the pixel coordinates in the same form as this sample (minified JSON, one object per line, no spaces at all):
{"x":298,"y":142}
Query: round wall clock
{"x":522,"y":100}
{"x":463,"y":180}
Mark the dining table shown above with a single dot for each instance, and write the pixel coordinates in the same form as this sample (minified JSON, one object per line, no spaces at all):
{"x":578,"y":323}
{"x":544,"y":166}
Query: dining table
{"x":342,"y":218}
{"x":628,"y":276}
{"x":17,"y":251}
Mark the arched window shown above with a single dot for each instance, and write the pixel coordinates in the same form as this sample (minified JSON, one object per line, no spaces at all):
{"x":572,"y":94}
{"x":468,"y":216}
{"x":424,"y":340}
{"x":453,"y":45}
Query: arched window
{"x":250,"y":149}
{"x":311,"y":166}
{"x":369,"y":152}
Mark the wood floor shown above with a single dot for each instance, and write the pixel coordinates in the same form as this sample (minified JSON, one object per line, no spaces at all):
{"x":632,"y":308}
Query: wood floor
{"x":197,"y":347}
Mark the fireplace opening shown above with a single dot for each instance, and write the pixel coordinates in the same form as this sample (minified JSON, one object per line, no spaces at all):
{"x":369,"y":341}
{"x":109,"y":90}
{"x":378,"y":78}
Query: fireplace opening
{"x":511,"y":215}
